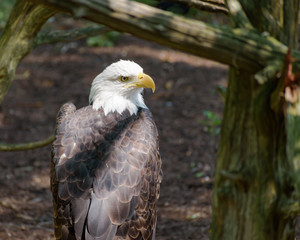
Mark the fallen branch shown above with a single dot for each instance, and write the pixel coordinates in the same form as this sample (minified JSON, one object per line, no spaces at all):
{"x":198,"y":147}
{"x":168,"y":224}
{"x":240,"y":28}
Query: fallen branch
{"x":26,"y":146}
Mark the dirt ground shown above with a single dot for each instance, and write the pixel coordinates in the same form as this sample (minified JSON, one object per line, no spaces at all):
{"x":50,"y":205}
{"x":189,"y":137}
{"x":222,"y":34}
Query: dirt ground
{"x":52,"y":75}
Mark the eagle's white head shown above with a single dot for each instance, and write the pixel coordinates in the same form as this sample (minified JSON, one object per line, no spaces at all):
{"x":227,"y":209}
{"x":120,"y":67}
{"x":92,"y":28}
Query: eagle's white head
{"x":119,"y":87}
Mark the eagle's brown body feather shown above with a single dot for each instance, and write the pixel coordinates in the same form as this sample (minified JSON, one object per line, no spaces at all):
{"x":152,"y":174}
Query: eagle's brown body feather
{"x":105,"y":174}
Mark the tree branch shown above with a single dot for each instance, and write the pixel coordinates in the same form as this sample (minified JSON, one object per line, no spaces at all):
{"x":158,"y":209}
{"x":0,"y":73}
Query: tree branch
{"x":209,"y":6}
{"x":238,"y":15}
{"x":26,"y":146}
{"x":240,"y":48}
{"x":68,"y":36}
{"x":16,"y":40}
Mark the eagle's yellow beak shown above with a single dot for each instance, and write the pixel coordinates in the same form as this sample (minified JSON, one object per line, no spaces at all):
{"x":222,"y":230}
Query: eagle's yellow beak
{"x":143,"y":81}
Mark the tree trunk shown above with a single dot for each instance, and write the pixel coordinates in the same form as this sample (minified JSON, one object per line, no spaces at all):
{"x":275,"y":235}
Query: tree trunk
{"x":254,"y":191}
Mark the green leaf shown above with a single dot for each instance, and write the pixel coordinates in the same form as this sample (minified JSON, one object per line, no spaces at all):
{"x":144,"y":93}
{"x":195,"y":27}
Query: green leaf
{"x":207,"y":114}
{"x":194,"y":216}
{"x":193,"y":164}
{"x":199,"y":174}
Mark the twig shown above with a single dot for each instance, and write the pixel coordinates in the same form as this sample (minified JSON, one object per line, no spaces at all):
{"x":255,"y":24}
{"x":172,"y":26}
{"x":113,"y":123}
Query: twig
{"x":206,"y":5}
{"x":68,"y":36}
{"x":26,"y":146}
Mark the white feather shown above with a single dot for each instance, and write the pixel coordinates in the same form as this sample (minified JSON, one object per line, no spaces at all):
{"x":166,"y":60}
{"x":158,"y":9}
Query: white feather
{"x":109,"y":93}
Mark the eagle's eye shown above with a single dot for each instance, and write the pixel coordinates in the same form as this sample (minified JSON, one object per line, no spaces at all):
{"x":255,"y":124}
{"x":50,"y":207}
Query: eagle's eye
{"x":124,"y":79}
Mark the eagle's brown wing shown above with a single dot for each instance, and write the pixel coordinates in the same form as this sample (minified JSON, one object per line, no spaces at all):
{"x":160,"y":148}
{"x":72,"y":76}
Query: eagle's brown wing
{"x":105,"y":175}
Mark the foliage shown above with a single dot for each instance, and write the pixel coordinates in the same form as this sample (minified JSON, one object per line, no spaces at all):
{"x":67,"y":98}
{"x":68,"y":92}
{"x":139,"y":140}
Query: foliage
{"x":199,"y":174}
{"x":108,"y":39}
{"x":195,"y":169}
{"x":5,"y":8}
{"x":211,"y":122}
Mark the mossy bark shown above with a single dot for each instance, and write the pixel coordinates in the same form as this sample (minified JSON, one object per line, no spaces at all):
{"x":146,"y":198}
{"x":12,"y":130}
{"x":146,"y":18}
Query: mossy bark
{"x":17,"y":38}
{"x":242,"y":48}
{"x":254,"y":191}
{"x":251,"y":165}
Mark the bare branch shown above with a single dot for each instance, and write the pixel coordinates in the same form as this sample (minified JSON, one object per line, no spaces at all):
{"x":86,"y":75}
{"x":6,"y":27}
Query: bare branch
{"x":26,"y":146}
{"x":68,"y":36}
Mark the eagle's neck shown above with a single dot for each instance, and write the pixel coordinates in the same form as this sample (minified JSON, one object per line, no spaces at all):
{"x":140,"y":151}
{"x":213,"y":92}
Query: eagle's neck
{"x":111,"y":102}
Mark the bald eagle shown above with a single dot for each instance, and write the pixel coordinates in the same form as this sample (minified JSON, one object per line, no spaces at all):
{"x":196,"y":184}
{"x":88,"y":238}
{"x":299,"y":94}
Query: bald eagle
{"x":105,"y":165}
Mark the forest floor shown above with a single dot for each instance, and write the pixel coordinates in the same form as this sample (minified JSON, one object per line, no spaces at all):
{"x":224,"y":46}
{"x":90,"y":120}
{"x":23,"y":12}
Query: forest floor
{"x":54,"y":74}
